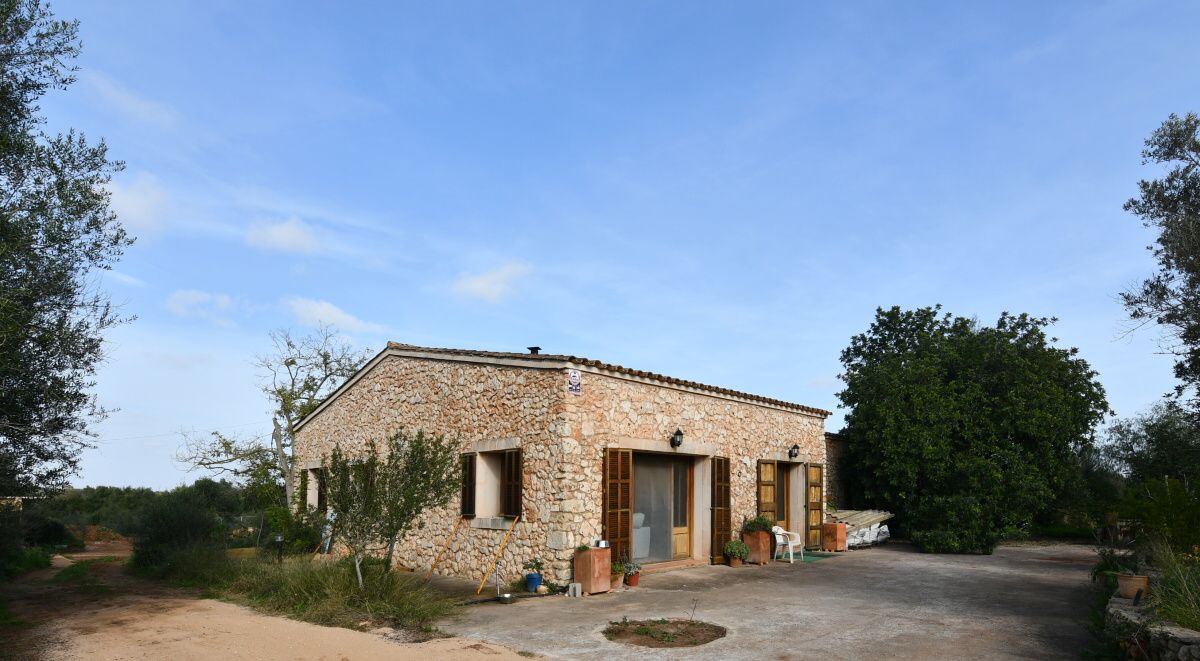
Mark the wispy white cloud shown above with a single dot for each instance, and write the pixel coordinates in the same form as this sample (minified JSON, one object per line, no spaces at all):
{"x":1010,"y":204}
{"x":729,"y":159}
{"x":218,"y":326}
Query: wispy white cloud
{"x":140,"y":203}
{"x":130,"y":105}
{"x":311,"y":312}
{"x":196,"y":304}
{"x":495,"y":285}
{"x":291,"y":235}
{"x":126,"y":279}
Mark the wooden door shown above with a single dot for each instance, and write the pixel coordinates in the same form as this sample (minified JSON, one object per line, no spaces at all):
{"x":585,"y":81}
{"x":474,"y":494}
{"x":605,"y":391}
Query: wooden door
{"x":722,"y":523}
{"x":618,"y":502}
{"x":681,"y":509}
{"x":816,"y":503}
{"x":782,"y":494}
{"x":766,"y":489}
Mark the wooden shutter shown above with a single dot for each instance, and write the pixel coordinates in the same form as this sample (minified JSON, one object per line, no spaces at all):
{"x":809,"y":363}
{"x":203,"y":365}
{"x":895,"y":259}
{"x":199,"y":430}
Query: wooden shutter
{"x":766,"y":489}
{"x":816,"y":503}
{"x":722,"y":523}
{"x":618,"y":502}
{"x":510,"y":483}
{"x":468,"y":485}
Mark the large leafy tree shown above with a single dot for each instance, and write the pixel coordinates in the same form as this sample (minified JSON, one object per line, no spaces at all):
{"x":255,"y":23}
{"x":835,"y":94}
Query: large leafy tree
{"x":56,"y":231}
{"x":1171,"y":205}
{"x":965,"y":431}
{"x":298,"y":374}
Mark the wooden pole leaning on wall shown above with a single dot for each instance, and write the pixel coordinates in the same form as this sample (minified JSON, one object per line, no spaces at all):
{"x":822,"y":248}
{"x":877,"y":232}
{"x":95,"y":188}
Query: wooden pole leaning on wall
{"x":496,"y":559}
{"x":445,"y":546}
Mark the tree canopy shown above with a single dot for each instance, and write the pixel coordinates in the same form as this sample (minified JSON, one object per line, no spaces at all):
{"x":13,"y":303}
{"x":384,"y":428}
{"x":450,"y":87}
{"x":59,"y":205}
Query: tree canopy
{"x":1171,"y":205}
{"x":56,"y":231}
{"x":965,"y":431}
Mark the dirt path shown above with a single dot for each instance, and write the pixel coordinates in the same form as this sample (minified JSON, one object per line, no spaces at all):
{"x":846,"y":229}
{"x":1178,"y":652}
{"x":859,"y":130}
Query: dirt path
{"x":111,"y":615}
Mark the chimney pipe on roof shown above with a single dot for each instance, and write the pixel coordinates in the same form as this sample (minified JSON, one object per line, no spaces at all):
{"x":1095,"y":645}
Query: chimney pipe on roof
{"x":534,"y":350}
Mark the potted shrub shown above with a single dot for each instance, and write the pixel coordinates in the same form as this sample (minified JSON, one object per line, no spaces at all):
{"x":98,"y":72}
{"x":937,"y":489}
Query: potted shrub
{"x":737,"y":552}
{"x":618,"y":573}
{"x":633,"y":572}
{"x":756,"y":533}
{"x":533,"y":577}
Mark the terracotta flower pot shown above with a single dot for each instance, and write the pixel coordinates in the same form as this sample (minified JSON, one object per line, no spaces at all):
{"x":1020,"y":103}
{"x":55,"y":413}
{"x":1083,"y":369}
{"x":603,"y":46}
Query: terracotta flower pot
{"x":632,"y":579}
{"x":735,"y":562}
{"x":616,"y":580}
{"x":1129,"y":584}
{"x":760,"y":547}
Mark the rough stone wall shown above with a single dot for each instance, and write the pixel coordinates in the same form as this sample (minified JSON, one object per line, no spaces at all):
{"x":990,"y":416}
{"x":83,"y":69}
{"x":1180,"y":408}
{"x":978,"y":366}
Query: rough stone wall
{"x":1142,"y":637}
{"x":835,"y":492}
{"x":611,"y":411}
{"x":471,"y":402}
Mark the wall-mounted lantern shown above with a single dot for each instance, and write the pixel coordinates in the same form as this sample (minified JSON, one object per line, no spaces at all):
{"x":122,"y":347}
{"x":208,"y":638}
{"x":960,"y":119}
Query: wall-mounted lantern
{"x":677,"y":438}
{"x":794,"y":452}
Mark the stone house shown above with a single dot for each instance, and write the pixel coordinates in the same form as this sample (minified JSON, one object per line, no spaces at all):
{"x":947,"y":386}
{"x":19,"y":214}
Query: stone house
{"x":564,"y":450}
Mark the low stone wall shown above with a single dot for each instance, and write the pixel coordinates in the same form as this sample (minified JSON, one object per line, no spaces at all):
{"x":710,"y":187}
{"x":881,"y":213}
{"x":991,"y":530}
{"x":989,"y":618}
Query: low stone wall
{"x":1142,"y":637}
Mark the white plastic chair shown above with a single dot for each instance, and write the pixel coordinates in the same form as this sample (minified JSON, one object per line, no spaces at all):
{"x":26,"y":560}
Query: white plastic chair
{"x":791,"y":540}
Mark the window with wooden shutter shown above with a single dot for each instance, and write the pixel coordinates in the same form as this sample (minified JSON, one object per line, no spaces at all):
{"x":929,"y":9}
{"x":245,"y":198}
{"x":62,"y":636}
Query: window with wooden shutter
{"x":618,"y":502}
{"x":722,"y":524}
{"x":510,"y":483}
{"x":766,"y":489}
{"x":468,"y":485}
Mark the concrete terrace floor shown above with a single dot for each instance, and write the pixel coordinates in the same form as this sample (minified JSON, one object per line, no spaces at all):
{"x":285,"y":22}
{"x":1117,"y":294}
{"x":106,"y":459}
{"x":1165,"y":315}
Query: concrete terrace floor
{"x":1023,"y":602}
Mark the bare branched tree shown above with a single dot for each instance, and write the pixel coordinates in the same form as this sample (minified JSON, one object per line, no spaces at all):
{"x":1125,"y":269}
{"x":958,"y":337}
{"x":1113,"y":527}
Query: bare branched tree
{"x":298,"y":374}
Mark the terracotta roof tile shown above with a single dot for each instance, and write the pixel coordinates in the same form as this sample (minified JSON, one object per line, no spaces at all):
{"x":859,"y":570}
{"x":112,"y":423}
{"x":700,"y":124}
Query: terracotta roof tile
{"x":612,"y":368}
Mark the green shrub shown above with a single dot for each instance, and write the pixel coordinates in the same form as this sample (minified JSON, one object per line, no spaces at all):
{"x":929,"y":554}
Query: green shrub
{"x":20,"y":560}
{"x":1175,"y":595}
{"x":177,"y":519}
{"x":736,"y":548}
{"x":760,"y":523}
{"x":302,"y":531}
{"x":958,"y":524}
{"x":40,"y":530}
{"x":1167,"y":510}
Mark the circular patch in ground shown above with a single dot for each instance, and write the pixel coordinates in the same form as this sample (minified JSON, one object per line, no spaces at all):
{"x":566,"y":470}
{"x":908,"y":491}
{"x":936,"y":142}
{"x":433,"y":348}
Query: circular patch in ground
{"x":663,"y":633}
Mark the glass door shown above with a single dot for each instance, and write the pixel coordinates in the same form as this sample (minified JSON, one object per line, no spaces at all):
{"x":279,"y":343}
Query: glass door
{"x":662,"y":508}
{"x":681,"y":528}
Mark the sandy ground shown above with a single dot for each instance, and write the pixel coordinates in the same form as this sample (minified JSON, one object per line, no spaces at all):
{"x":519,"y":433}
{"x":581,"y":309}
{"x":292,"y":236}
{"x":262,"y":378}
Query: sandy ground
{"x":135,"y":619}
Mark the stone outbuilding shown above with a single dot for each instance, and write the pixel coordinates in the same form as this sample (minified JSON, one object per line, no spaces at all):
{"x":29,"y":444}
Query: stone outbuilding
{"x":563,"y":451}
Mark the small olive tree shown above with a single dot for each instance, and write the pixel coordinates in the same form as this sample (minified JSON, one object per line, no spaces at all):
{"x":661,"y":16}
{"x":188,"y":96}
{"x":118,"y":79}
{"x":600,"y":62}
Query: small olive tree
{"x":379,"y":496}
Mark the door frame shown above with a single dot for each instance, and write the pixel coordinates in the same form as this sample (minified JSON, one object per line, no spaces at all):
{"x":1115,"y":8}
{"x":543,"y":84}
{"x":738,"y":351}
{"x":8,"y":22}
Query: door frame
{"x":680,"y":459}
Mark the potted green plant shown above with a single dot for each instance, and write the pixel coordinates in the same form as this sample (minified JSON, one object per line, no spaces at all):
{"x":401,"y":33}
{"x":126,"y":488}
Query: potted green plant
{"x":737,"y":552}
{"x":756,"y":533}
{"x":633,"y":572}
{"x":533,"y":577}
{"x":618,"y":573}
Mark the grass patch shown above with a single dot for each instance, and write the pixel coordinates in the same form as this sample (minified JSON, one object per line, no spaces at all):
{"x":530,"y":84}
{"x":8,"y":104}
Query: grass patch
{"x":23,"y":560}
{"x":82,"y":574}
{"x":1176,"y":594}
{"x":324,"y":592}
{"x":663,"y":632}
{"x":7,"y":619}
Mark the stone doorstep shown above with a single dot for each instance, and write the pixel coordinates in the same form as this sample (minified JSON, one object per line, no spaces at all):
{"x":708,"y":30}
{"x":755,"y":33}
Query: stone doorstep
{"x":659,"y":567}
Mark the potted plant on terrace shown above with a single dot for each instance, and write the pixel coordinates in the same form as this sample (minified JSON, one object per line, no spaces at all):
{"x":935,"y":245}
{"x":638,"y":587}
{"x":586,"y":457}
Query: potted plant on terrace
{"x":533,"y":579}
{"x":618,"y":573}
{"x":736,"y":551}
{"x":756,"y":533}
{"x":633,"y":572}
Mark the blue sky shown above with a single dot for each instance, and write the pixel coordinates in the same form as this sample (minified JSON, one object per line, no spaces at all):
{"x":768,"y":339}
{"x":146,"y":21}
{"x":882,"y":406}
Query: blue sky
{"x":719,"y":192}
